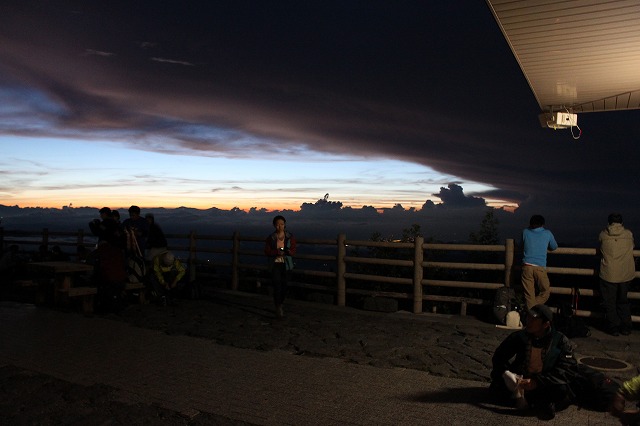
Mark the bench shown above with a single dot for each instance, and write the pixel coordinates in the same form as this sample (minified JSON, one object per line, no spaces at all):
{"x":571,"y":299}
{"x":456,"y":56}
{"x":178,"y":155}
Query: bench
{"x":140,"y":288}
{"x":25,"y":283}
{"x":85,"y":294}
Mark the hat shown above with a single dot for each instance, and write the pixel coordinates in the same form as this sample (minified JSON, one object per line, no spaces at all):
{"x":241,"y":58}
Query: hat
{"x":541,"y":311}
{"x":167,"y":258}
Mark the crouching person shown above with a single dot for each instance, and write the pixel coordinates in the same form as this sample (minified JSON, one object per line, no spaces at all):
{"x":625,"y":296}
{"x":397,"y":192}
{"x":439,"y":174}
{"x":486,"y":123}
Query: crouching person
{"x":535,"y":365}
{"x":629,"y":391}
{"x":166,"y":279}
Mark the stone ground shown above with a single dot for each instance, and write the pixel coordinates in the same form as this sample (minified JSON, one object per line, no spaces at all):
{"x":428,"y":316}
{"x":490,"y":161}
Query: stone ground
{"x":448,"y":346}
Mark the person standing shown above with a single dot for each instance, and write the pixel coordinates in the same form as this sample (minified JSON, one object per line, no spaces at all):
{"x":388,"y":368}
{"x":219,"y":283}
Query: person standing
{"x":156,"y":241}
{"x":138,"y":226}
{"x":280,"y":247}
{"x":617,"y":270}
{"x":136,"y":229}
{"x":536,"y":242}
{"x":106,"y":228}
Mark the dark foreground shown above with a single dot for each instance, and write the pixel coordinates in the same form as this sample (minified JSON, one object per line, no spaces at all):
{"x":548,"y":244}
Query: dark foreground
{"x":453,"y":347}
{"x":28,"y":398}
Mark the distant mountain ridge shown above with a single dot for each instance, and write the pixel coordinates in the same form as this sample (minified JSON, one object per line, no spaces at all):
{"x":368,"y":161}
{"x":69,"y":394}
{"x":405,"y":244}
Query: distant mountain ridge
{"x":316,"y":221}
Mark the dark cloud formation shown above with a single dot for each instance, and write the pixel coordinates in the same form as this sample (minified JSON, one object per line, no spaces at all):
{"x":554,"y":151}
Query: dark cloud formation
{"x":429,"y":82}
{"x":453,"y":196}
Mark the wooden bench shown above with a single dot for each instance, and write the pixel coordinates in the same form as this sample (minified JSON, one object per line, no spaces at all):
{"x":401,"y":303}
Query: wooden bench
{"x":86,"y":294}
{"x":25,"y":283}
{"x":140,"y":288}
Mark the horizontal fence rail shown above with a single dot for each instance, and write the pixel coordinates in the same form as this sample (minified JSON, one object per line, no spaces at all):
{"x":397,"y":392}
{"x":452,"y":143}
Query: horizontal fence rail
{"x":416,"y":272}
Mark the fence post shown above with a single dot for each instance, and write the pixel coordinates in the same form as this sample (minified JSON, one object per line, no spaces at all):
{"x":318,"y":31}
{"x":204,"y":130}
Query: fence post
{"x":234,"y":260}
{"x":508,"y":261}
{"x":418,"y":272}
{"x":341,"y":268}
{"x":45,"y":238}
{"x":192,"y":256}
{"x":80,"y":241}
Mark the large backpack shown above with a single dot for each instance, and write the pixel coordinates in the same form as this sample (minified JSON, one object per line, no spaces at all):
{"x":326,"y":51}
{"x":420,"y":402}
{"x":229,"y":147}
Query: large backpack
{"x":569,"y":324}
{"x":503,"y":303}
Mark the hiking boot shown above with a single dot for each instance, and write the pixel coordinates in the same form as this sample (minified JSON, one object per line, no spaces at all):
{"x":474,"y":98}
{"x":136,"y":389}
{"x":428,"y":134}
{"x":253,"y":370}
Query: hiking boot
{"x":521,"y":403}
{"x":548,"y":411}
{"x":625,"y":331}
{"x":614,"y":331}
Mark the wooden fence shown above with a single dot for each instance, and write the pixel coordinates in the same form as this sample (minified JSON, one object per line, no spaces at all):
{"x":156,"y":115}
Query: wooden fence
{"x":416,"y":272}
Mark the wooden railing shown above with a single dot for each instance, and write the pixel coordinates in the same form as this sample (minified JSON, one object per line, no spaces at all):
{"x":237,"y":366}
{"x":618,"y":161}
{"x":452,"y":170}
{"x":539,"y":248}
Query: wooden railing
{"x":420,"y":271}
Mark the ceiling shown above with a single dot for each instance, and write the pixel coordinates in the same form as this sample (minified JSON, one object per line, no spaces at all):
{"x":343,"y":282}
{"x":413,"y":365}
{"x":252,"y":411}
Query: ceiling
{"x":577,"y":55}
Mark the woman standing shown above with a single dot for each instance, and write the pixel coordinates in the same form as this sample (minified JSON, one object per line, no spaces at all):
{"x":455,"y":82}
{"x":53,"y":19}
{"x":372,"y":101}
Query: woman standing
{"x":280,"y":246}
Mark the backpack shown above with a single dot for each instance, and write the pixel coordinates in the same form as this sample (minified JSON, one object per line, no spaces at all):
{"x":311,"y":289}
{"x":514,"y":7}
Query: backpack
{"x":504,"y":302}
{"x":593,"y":389}
{"x":570,"y":325}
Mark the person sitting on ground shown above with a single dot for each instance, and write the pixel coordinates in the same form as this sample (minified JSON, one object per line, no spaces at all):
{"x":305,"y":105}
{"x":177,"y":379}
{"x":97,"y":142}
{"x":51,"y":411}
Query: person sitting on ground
{"x":629,"y":391}
{"x":540,"y":375}
{"x":166,"y":279}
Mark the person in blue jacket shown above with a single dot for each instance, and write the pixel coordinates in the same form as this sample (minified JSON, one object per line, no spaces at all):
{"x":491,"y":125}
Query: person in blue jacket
{"x":536,"y":242}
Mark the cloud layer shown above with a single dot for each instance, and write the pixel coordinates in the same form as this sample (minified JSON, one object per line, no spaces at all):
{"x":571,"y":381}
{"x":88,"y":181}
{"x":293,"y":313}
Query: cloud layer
{"x":427,"y":82}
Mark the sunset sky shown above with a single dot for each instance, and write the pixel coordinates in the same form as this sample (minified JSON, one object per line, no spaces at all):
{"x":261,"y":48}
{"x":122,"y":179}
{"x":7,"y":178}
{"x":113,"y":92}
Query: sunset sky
{"x":273,"y":104}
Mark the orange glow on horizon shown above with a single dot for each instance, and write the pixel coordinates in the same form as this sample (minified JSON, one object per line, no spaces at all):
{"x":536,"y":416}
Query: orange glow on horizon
{"x":124,"y":205}
{"x":152,"y":203}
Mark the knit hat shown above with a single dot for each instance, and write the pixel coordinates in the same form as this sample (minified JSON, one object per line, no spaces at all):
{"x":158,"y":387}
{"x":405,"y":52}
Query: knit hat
{"x":541,"y":311}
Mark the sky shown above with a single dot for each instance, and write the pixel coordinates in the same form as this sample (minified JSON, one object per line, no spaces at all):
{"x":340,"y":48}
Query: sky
{"x":273,"y":104}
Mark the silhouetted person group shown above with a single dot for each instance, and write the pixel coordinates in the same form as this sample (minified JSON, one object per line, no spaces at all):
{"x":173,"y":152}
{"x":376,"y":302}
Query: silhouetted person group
{"x":120,"y":258}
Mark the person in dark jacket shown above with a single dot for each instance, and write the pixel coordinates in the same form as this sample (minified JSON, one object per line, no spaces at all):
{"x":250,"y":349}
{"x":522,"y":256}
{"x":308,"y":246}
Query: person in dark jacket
{"x":535,"y":365}
{"x":280,"y":247}
{"x":156,"y":241}
{"x":107,"y":228}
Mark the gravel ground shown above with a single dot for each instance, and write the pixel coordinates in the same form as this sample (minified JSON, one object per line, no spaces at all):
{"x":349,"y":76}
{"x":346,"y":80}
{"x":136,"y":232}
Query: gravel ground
{"x":451,"y":347}
{"x":28,"y":398}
